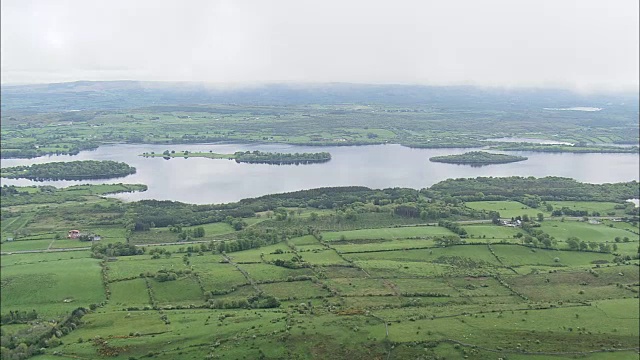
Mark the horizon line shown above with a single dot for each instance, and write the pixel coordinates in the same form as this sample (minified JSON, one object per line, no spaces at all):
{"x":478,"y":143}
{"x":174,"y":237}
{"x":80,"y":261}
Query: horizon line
{"x":318,"y":83}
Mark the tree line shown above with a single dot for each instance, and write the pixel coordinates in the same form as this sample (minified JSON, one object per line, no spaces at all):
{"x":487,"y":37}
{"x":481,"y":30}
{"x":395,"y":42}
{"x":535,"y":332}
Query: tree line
{"x":71,"y":170}
{"x":530,"y":188}
{"x":477,"y":158}
{"x":280,"y":158}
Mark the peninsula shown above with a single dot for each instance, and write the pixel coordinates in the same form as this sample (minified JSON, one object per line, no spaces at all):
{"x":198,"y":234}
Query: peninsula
{"x":70,"y":170}
{"x":253,"y":157}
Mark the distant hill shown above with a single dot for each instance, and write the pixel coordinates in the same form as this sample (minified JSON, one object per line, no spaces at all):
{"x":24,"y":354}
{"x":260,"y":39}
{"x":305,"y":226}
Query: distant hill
{"x":105,"y":95}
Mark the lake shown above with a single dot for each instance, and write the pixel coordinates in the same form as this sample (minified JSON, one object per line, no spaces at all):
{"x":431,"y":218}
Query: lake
{"x":202,"y":181}
{"x":529,"y":140}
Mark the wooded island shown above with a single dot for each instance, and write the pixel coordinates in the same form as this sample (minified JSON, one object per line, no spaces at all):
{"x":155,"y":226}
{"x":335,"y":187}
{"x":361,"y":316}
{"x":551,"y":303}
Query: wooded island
{"x":478,"y":158}
{"x":252,"y":157}
{"x":70,"y":170}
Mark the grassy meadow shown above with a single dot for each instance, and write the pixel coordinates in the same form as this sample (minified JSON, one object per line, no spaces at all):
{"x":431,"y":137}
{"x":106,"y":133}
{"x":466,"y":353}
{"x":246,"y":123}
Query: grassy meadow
{"x":366,"y":292}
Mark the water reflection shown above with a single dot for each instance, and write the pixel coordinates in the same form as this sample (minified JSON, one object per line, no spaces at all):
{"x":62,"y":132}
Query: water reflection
{"x":201,"y":180}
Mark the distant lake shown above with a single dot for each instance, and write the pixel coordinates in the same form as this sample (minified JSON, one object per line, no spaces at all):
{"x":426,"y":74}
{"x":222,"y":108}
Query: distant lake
{"x":201,"y":180}
{"x":576,"y":108}
{"x":529,"y":140}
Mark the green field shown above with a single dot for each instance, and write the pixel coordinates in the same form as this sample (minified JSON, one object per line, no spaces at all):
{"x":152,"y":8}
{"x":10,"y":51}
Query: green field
{"x":520,"y":256}
{"x":129,"y":293}
{"x":364,"y":245}
{"x":585,"y":231}
{"x":491,"y":233}
{"x":507,"y":209}
{"x":387,"y":233}
{"x":311,"y":287}
{"x":126,"y":268}
{"x":25,"y":245}
{"x":53,"y":288}
{"x":22,"y":259}
{"x":604,"y":208}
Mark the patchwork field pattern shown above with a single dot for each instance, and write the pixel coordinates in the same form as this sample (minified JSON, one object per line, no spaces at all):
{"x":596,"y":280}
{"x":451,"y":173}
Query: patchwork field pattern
{"x":394,"y":292}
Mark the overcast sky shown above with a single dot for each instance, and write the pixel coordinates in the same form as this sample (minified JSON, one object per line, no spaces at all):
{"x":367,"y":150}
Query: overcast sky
{"x":579,"y":44}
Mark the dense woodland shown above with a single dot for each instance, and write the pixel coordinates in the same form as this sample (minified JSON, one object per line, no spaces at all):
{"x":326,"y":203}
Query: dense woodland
{"x":531,"y":190}
{"x":477,"y":158}
{"x":444,"y":200}
{"x":71,"y":170}
{"x":259,"y":157}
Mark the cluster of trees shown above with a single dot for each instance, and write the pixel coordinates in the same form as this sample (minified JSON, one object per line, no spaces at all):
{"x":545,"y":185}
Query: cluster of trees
{"x":72,"y":170}
{"x":256,"y":237}
{"x":9,"y":190}
{"x":448,"y":240}
{"x":280,"y":158}
{"x":237,"y":224}
{"x":575,"y":243}
{"x":115,"y":249}
{"x":166,"y":275}
{"x":565,"y":211}
{"x":453,"y":227}
{"x":546,"y":188}
{"x":332,"y":198}
{"x":28,"y":342}
{"x":294,"y":263}
{"x":247,"y":242}
{"x":477,"y":158}
{"x":348,"y":201}
{"x":438,"y":210}
{"x":157,"y":253}
{"x":407,"y":211}
{"x":260,"y":301}
{"x":18,"y":317}
{"x":156,"y":213}
{"x":536,"y":236}
{"x":188,"y":233}
{"x":152,"y":213}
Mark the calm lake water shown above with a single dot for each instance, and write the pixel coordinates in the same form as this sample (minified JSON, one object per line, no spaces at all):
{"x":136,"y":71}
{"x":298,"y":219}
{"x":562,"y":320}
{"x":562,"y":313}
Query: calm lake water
{"x":529,"y":140}
{"x":201,"y":181}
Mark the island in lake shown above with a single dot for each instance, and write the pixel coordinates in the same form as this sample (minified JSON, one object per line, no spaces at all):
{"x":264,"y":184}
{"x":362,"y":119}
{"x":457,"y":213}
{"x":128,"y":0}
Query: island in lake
{"x":70,"y":170}
{"x":252,"y":157}
{"x":478,"y":158}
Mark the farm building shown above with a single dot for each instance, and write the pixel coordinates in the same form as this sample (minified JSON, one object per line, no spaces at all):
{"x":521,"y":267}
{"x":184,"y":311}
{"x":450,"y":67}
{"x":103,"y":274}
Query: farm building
{"x":76,"y":234}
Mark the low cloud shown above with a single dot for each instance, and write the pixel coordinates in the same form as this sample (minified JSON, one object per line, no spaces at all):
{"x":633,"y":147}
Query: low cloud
{"x":582,"y":45}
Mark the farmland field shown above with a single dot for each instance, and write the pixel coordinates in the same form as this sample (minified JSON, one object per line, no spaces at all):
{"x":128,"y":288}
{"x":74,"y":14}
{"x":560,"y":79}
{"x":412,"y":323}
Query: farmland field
{"x":53,"y":288}
{"x":507,"y":209}
{"x":387,"y":233}
{"x":603,"y":208}
{"x":585,"y":231}
{"x":337,"y":284}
